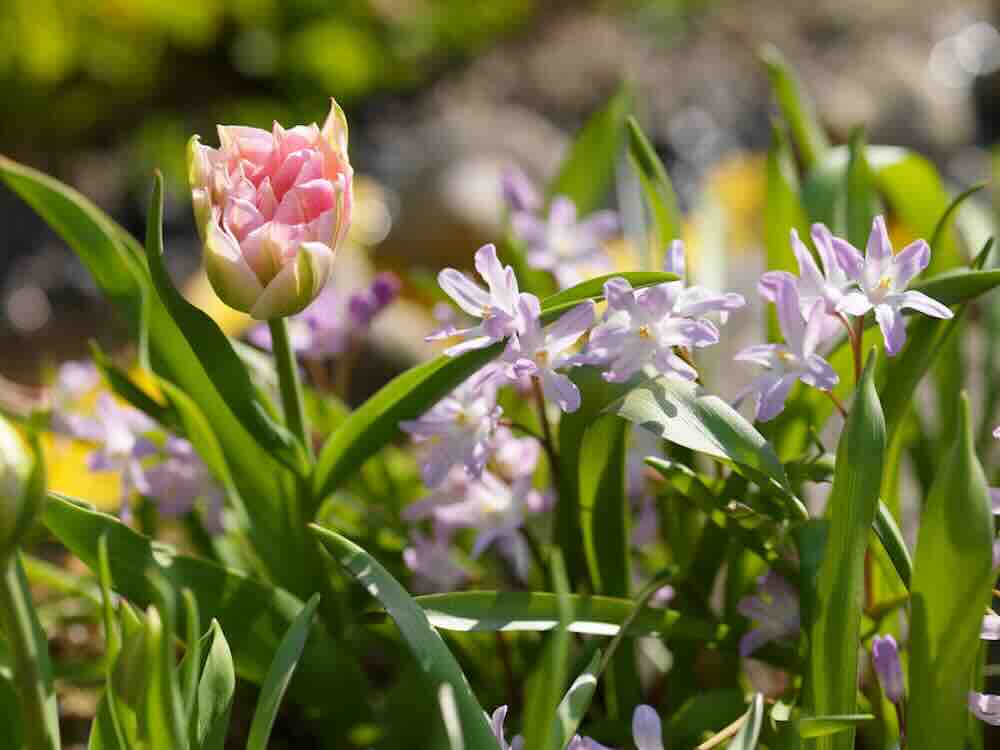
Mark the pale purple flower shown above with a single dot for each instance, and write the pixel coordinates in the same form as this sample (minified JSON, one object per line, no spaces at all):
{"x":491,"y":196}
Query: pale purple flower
{"x":519,"y":192}
{"x":572,"y":250}
{"x":796,"y":359}
{"x":585,"y":743}
{"x":496,"y":305}
{"x":828,"y":284}
{"x":985,"y":707}
{"x":326,"y":327}
{"x":452,"y":489}
{"x":121,"y":434}
{"x":643,"y":329}
{"x":775,"y":609}
{"x":458,"y":429}
{"x":694,"y":301}
{"x":496,"y":510}
{"x":882,"y":278}
{"x":497,"y":724}
{"x":433,"y":563}
{"x":647,"y":730}
{"x":515,"y":456}
{"x":177,"y":479}
{"x":539,"y":352}
{"x":990,"y":629}
{"x":885,"y":655}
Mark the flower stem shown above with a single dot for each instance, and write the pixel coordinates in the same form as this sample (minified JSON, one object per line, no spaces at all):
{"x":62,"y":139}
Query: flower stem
{"x":854,"y":334}
{"x":548,"y":441}
{"x":288,"y":382}
{"x":32,"y":668}
{"x":837,"y":403}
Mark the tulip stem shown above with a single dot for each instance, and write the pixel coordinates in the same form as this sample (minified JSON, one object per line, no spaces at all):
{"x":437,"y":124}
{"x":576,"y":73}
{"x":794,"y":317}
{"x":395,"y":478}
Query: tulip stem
{"x":32,"y":668}
{"x":289,"y":384}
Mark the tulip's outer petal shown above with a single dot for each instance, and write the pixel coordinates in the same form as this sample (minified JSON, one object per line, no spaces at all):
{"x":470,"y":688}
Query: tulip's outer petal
{"x":231,"y":276}
{"x":335,"y":130}
{"x":297,"y":284}
{"x":893,"y":328}
{"x":910,"y":261}
{"x":647,"y":730}
{"x":920,"y":302}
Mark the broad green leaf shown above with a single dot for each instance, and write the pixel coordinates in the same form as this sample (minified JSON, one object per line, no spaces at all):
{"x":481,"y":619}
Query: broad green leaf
{"x":657,"y":189}
{"x":575,"y":704}
{"x":125,"y":388}
{"x":588,"y":170}
{"x":824,"y":726}
{"x":211,"y":346}
{"x":958,"y":285}
{"x":746,"y":738}
{"x":376,"y":422}
{"x":11,"y":734}
{"x":427,"y":646}
{"x":548,"y":679}
{"x":956,"y":534}
{"x":836,"y":621}
{"x":702,"y":713}
{"x":254,"y":615}
{"x":782,"y":212}
{"x":889,"y":534}
{"x":861,"y":200}
{"x":86,"y":229}
{"x":209,"y":722}
{"x":475,"y":611}
{"x":450,"y":718}
{"x":797,"y":108}
{"x":684,"y":413}
{"x":279,"y":676}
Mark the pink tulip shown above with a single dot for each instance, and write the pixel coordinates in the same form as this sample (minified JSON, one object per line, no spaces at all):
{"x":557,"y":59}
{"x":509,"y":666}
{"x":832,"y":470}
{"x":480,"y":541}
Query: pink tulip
{"x":272,"y":208}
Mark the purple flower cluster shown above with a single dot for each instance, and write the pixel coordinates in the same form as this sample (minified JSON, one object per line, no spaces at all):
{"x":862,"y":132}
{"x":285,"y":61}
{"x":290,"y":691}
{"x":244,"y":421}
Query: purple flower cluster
{"x":326,"y":328}
{"x":572,"y":249}
{"x":811,"y":306}
{"x":149,"y":461}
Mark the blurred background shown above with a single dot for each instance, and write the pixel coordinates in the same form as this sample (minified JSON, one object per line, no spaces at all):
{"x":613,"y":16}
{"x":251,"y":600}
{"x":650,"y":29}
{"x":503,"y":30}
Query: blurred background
{"x":441,"y":94}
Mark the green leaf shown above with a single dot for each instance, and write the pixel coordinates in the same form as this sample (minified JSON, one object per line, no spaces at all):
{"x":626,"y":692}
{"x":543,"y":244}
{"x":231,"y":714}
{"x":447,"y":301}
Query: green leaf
{"x":823,"y":726}
{"x":124,"y":387}
{"x":86,"y":229}
{"x":657,"y":189}
{"x":254,"y":615}
{"x":450,"y":718}
{"x":548,"y":679}
{"x":946,"y":218}
{"x":958,"y":285}
{"x":209,"y":721}
{"x":892,"y":541}
{"x":191,"y":665}
{"x":272,"y":691}
{"x":575,"y":704}
{"x":746,"y":738}
{"x":212,"y":348}
{"x":487,"y":611}
{"x":836,"y":620}
{"x":427,"y":646}
{"x":798,"y":110}
{"x":163,"y":708}
{"x":684,"y":413}
{"x":376,"y":422}
{"x":956,"y":534}
{"x":861,"y":200}
{"x":588,"y":170}
{"x":783,"y":212}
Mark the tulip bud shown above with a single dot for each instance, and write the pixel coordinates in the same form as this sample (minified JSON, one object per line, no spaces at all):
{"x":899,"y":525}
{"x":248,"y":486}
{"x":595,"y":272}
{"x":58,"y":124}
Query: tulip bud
{"x":272,"y":208}
{"x":19,"y":497}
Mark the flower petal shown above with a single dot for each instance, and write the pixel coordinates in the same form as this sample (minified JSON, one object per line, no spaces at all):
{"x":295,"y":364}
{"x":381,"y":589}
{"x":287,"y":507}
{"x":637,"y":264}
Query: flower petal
{"x":647,"y":730}
{"x":471,"y":297}
{"x":893,"y":327}
{"x":920,"y":302}
{"x":909,"y":262}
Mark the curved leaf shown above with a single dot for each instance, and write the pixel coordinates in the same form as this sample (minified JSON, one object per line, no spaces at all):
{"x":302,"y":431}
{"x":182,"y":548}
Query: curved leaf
{"x":684,"y":413}
{"x":795,"y":105}
{"x":575,"y":704}
{"x":588,"y":169}
{"x":837,"y":609}
{"x":279,"y":675}
{"x":212,"y":347}
{"x":427,"y":646}
{"x":538,"y":611}
{"x":656,"y":187}
{"x":889,"y":534}
{"x":254,"y":615}
{"x":956,"y":534}
{"x":823,"y":726}
{"x":746,"y":738}
{"x":209,"y":723}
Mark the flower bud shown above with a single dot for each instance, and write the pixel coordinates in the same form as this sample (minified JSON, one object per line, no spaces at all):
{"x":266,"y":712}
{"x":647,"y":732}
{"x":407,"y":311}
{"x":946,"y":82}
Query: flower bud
{"x":885,"y":654}
{"x":19,"y":500}
{"x":272,"y":208}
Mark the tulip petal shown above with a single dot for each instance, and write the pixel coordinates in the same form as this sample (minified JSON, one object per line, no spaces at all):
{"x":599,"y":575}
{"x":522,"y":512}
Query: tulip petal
{"x":231,"y":276}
